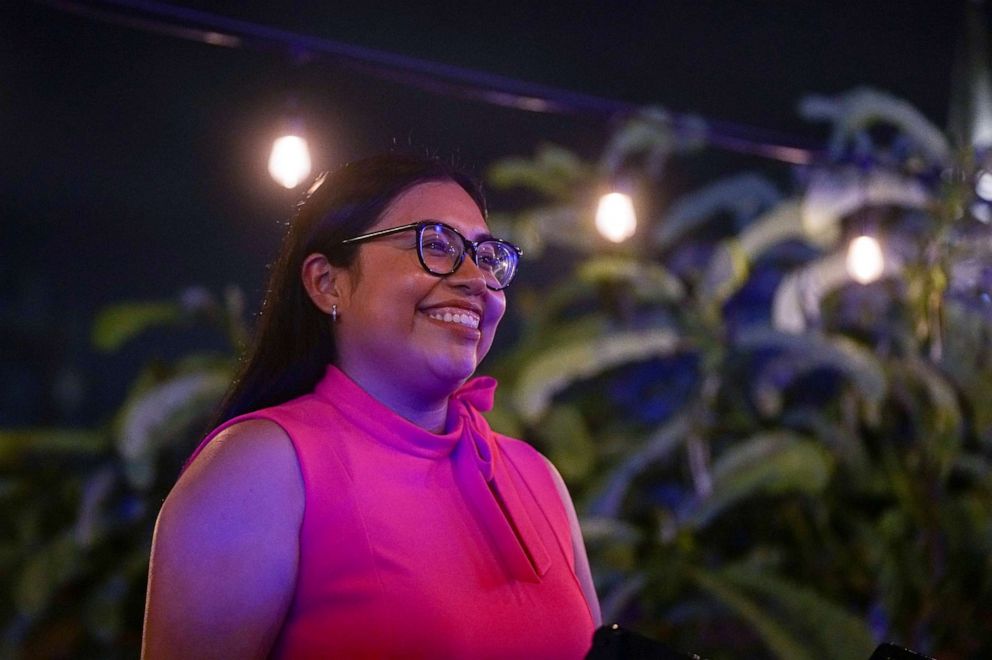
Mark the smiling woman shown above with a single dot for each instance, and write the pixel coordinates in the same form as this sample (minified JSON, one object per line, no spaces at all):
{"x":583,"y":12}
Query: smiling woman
{"x":352,"y":500}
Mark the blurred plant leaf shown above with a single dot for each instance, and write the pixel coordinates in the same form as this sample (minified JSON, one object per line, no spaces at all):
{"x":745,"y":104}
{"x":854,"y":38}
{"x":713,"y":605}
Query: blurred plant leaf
{"x":45,"y":571}
{"x":620,"y":597}
{"x":779,"y":223}
{"x":802,"y":354}
{"x":650,"y":282}
{"x":934,"y":409}
{"x":570,"y":447}
{"x":770,"y":463}
{"x":659,"y":445}
{"x":560,"y":367}
{"x":117,"y":324}
{"x":827,"y":630}
{"x":743,"y":196}
{"x":852,"y":112}
{"x":554,"y":171}
{"x":15,"y":444}
{"x":159,"y":412}
{"x":776,"y":636}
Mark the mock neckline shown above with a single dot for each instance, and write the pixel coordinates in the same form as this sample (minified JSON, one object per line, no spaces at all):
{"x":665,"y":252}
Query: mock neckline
{"x":471,"y":445}
{"x":389,"y":427}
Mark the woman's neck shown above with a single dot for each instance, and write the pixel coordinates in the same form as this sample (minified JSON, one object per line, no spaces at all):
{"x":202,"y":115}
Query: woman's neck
{"x":417,"y":405}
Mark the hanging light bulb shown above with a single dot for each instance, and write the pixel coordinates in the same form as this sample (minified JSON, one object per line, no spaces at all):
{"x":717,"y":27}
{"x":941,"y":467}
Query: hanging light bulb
{"x":864,"y":259}
{"x":289,"y":162}
{"x":983,"y":187}
{"x":615,"y":217}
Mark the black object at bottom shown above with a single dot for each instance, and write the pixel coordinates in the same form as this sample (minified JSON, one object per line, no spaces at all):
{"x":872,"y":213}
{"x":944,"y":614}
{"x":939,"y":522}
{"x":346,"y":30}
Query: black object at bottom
{"x":893,"y":652}
{"x":612,"y":642}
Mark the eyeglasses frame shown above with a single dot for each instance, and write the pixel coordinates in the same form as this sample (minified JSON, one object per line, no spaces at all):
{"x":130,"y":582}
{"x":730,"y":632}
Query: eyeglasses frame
{"x":469,"y":246}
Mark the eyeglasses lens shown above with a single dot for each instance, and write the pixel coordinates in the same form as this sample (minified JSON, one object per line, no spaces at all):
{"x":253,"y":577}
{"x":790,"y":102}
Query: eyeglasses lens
{"x":497,"y":261}
{"x":442,"y":251}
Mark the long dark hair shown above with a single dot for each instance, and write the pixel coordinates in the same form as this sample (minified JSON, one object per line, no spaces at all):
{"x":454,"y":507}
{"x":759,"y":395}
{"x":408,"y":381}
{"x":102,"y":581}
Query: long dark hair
{"x":293,"y":342}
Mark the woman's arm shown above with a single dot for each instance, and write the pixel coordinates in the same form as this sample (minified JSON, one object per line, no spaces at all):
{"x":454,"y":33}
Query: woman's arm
{"x":582,"y":571}
{"x":224,"y":554}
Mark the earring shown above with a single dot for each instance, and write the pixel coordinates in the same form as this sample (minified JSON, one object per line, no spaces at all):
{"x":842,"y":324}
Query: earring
{"x":334,"y":313}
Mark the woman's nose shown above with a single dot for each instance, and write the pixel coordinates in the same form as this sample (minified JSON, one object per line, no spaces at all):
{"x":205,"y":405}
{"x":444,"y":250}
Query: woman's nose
{"x":469,"y":275}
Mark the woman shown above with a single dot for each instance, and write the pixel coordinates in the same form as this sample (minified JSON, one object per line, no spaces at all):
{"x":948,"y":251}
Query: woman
{"x":353,"y":500}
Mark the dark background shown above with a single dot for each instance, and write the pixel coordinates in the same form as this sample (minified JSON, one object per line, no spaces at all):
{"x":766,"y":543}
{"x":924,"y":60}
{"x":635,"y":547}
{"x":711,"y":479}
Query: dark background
{"x":134,"y":164}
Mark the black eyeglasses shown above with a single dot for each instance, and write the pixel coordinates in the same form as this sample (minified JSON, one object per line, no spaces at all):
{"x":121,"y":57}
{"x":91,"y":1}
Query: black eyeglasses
{"x":442,"y":249}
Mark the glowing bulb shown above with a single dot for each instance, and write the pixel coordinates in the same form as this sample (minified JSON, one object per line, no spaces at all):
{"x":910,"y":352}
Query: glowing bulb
{"x":289,"y":163}
{"x":615,"y":217}
{"x":983,"y":188}
{"x":864,"y":259}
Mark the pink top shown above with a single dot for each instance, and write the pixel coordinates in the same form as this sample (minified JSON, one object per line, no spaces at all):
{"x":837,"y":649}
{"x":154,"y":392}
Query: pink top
{"x":415,"y":544}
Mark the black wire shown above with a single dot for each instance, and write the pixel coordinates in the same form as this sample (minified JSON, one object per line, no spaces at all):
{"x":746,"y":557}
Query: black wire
{"x":435,"y":77}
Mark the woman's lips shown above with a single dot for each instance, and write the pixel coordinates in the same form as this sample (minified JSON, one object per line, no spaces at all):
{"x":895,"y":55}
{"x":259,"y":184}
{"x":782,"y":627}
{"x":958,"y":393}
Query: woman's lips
{"x":455,"y":315}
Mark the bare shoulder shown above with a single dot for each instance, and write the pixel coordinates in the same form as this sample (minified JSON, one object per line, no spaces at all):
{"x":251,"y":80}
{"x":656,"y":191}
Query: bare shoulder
{"x":224,"y":555}
{"x":247,"y":474}
{"x":561,"y":487}
{"x":252,"y":455}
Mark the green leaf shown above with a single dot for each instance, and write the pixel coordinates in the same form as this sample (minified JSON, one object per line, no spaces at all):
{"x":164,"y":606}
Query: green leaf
{"x":767,"y":624}
{"x":802,"y":354}
{"x":829,"y":631}
{"x":932,"y":407}
{"x":569,"y":444}
{"x":48,"y":568}
{"x":798,"y":296}
{"x":781,"y":223}
{"x":744,"y":196}
{"x":726,"y":272}
{"x":659,"y":446}
{"x":650,"y":138}
{"x":155,"y":415}
{"x":503,"y":418}
{"x":567,"y":225}
{"x":621,"y":596}
{"x":117,"y":324}
{"x":104,"y":612}
{"x":650,"y":281}
{"x":765,"y":464}
{"x":17,"y":443}
{"x":555,"y":172}
{"x":857,"y":110}
{"x":557,"y":368}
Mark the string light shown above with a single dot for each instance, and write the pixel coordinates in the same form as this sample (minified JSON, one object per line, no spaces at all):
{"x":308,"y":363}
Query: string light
{"x":864,"y":259}
{"x":289,"y":162}
{"x":983,"y":188}
{"x":615,"y":217}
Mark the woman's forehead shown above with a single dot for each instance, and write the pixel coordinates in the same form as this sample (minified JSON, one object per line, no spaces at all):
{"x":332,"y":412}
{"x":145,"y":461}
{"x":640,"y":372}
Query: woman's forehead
{"x":435,"y":200}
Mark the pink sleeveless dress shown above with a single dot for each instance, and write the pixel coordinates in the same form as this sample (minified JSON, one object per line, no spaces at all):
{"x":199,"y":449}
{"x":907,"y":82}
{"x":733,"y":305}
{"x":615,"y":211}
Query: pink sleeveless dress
{"x":415,"y":544}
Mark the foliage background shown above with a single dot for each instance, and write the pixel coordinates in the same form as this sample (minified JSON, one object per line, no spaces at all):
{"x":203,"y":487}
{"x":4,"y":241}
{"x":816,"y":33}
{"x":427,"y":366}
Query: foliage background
{"x":769,"y":460}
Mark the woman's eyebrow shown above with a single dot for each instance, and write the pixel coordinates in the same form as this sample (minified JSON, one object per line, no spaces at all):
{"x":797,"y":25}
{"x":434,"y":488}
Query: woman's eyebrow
{"x":481,"y":236}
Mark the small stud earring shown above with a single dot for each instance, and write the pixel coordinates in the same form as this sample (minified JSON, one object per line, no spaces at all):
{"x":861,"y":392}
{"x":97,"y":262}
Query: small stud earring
{"x":334,"y":313}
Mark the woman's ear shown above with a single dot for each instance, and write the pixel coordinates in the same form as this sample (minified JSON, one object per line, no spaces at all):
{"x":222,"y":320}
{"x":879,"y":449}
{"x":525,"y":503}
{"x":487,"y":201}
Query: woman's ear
{"x":325,"y":283}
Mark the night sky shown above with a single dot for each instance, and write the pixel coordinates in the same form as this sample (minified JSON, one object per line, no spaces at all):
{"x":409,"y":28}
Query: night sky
{"x":134,"y":163}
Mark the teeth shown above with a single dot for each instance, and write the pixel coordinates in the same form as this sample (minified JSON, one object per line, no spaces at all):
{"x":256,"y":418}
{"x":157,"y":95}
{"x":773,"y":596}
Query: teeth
{"x":466,"y":319}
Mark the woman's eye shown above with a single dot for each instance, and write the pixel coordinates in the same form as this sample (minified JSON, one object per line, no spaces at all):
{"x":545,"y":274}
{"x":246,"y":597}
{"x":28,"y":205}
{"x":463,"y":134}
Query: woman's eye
{"x":490,"y":258}
{"x":437,"y":247}
{"x":488,"y":261}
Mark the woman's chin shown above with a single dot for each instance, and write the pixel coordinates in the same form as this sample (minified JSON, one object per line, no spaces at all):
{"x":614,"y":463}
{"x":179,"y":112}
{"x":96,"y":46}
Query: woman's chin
{"x":454,"y":370}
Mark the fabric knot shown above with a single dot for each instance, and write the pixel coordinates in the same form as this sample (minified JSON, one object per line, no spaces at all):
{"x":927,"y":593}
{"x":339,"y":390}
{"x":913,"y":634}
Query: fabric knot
{"x":478,"y":393}
{"x":470,"y":400}
{"x":481,"y":452}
